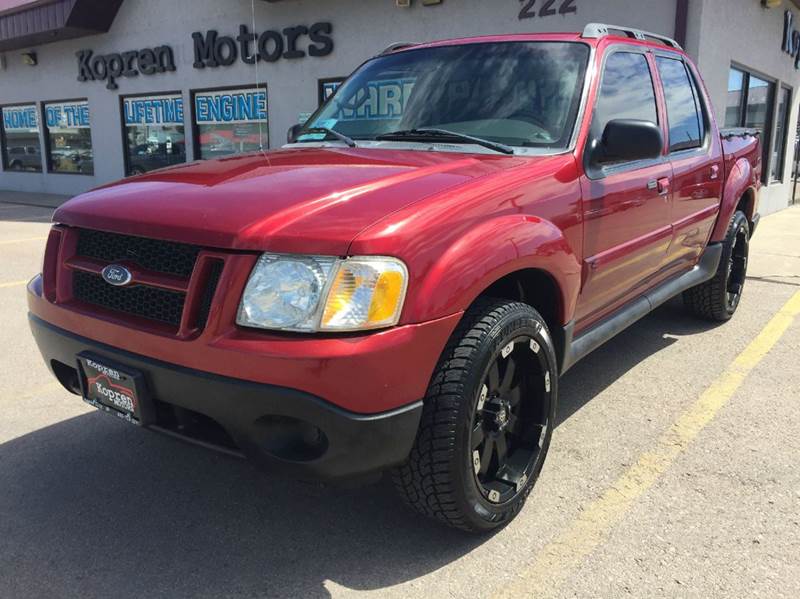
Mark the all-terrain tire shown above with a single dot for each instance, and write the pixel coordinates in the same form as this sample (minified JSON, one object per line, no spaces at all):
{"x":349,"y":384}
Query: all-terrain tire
{"x":438,"y":479}
{"x":718,"y":298}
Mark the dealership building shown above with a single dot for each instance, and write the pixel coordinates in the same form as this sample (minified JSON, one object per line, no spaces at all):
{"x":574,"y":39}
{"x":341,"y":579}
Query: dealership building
{"x":93,"y":91}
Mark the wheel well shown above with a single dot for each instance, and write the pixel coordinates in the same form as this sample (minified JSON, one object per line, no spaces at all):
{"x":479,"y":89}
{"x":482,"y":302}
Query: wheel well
{"x":535,"y":288}
{"x":747,"y":205}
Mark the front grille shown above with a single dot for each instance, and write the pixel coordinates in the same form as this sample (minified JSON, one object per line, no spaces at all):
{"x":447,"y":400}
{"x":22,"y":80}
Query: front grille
{"x":208,"y":293}
{"x":138,"y":300}
{"x":166,"y":257}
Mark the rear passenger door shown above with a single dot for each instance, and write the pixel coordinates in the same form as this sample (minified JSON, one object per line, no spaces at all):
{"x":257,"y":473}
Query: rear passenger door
{"x":696,"y":162}
{"x":626,"y":206}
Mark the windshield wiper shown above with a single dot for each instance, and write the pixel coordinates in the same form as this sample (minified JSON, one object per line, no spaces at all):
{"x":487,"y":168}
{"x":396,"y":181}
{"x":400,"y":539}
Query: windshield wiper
{"x":340,"y":136}
{"x":438,"y":133}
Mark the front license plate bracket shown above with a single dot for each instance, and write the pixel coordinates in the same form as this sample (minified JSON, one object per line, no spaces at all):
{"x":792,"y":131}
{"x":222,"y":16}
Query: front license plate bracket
{"x":115,"y":388}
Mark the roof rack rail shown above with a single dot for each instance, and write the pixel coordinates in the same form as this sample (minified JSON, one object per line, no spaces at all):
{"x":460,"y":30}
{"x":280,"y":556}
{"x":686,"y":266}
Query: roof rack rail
{"x":395,"y":47}
{"x":600,"y":30}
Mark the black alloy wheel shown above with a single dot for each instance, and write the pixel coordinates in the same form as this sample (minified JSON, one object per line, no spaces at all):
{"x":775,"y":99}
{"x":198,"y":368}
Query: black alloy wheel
{"x":737,"y":268}
{"x":511,"y":420}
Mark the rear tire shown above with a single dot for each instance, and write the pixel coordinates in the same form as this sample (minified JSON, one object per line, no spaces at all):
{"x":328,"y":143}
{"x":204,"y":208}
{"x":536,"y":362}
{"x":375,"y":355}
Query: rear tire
{"x":487,"y":420}
{"x":717,"y":299}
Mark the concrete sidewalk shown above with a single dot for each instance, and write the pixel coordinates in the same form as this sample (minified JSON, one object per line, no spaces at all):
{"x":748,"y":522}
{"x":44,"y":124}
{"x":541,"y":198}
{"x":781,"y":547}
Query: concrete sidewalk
{"x":775,"y":249}
{"x":43,"y":200}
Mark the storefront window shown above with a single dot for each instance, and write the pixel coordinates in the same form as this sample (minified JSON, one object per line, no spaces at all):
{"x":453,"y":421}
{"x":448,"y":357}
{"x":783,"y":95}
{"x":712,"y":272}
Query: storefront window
{"x":781,"y":130}
{"x":328,"y":87}
{"x":21,"y":148}
{"x":749,"y":104}
{"x":232,"y":121}
{"x":154,"y":132}
{"x":69,"y":137}
{"x":733,"y":110}
{"x":759,"y":102}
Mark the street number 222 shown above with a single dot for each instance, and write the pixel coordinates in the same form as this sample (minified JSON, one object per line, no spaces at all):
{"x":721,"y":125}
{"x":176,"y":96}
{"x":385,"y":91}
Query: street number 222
{"x":548,"y":9}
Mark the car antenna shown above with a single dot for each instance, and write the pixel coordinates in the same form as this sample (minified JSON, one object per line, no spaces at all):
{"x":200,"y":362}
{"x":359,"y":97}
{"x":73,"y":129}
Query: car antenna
{"x":256,"y":60}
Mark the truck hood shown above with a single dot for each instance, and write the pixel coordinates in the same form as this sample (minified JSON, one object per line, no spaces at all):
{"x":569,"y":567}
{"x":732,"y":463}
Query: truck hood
{"x":310,"y":200}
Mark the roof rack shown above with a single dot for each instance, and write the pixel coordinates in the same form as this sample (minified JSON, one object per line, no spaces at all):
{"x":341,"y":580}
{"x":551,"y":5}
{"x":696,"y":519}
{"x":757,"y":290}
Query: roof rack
{"x":396,"y":46}
{"x":600,"y":30}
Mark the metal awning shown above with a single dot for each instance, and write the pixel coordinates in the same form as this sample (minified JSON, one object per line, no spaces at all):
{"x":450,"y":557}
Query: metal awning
{"x":26,"y":23}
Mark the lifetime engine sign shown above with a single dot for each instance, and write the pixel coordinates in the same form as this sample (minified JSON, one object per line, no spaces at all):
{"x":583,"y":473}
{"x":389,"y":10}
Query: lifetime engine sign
{"x":20,"y":118}
{"x":153,"y":110}
{"x":238,"y":106}
{"x":69,"y":115}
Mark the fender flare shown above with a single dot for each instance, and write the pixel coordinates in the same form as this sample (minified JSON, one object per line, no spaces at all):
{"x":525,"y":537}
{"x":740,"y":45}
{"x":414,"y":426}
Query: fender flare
{"x":740,"y":181}
{"x":489,"y":252}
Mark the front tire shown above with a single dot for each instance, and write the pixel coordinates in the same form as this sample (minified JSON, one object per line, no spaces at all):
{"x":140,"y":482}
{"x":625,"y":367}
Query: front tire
{"x":487,"y":420}
{"x":717,"y":299}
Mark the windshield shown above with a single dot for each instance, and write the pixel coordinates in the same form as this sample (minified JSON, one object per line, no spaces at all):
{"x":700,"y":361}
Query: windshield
{"x":514,"y":93}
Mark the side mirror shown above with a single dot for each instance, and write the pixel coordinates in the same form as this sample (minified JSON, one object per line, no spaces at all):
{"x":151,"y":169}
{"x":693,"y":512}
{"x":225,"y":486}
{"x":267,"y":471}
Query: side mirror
{"x":294,"y":133}
{"x":626,"y":140}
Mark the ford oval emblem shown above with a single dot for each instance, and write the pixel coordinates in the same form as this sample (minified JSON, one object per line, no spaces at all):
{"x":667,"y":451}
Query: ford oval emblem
{"x":116,"y":275}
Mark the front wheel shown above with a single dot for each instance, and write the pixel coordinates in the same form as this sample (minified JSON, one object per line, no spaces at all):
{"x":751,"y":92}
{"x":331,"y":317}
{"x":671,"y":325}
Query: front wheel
{"x":718,"y":298}
{"x":487,"y":420}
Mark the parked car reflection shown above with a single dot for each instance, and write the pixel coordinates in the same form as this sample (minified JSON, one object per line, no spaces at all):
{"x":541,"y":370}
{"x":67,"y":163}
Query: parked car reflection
{"x":24,"y":158}
{"x":148,"y":157}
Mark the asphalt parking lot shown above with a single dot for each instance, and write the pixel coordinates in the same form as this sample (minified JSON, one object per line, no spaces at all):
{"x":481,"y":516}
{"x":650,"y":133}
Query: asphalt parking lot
{"x":673,"y":473}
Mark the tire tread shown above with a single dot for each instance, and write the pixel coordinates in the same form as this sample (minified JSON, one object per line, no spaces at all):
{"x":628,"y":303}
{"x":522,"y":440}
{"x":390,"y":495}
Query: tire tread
{"x":708,"y":300}
{"x":425,"y":481}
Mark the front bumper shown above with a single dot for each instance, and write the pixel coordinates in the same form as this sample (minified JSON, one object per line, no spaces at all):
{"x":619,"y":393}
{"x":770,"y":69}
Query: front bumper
{"x":364,"y":373}
{"x":282,"y":429}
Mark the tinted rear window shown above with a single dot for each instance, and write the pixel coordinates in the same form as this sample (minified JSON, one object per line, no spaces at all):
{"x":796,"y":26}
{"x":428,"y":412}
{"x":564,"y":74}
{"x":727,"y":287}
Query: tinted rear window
{"x":683,"y":110}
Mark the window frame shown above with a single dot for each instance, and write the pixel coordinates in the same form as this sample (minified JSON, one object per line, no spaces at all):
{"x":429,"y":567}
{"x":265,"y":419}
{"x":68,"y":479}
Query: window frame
{"x":782,"y":88}
{"x":769,"y":127}
{"x":4,"y":141}
{"x":124,"y":127}
{"x":48,"y":163}
{"x":195,"y":128}
{"x":594,"y":173}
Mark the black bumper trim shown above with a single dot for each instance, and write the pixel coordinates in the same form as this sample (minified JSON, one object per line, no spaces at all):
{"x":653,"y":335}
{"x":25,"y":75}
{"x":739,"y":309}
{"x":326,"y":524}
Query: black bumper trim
{"x":356,"y":444}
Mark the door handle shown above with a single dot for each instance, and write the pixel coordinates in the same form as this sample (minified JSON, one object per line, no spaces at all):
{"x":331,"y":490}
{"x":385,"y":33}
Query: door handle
{"x":715,"y":172}
{"x":662,"y":185}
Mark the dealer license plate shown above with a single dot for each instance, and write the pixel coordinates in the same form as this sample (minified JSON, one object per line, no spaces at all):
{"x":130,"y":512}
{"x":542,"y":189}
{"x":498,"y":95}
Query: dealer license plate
{"x":112,"y":388}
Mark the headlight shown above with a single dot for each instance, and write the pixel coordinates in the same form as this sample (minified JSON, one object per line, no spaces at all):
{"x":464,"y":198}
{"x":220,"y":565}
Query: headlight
{"x":320,"y":293}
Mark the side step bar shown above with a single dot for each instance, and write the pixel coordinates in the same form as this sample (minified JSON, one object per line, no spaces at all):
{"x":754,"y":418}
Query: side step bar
{"x":578,"y":348}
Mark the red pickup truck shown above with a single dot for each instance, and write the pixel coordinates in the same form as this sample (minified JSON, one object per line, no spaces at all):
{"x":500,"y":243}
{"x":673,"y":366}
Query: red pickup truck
{"x":400,"y":287}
